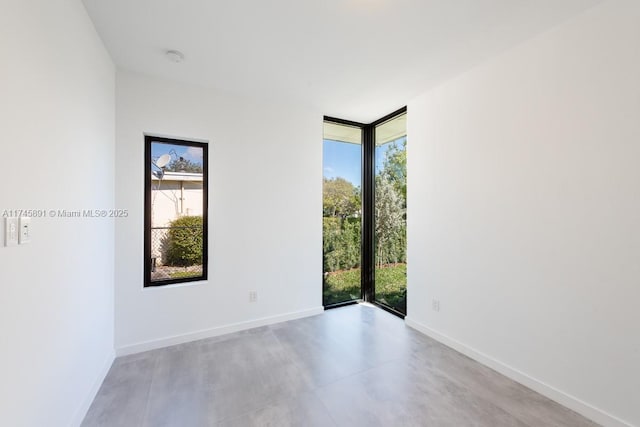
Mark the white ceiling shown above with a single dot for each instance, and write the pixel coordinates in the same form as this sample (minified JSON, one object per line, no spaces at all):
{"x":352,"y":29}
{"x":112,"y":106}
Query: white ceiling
{"x":353,"y":59}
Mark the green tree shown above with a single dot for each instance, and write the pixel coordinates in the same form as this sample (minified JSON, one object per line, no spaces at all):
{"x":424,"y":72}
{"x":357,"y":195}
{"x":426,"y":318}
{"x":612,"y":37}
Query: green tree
{"x":394,"y":167}
{"x":391,"y":205}
{"x":340,"y":198}
{"x":389,"y":221}
{"x":183,"y":165}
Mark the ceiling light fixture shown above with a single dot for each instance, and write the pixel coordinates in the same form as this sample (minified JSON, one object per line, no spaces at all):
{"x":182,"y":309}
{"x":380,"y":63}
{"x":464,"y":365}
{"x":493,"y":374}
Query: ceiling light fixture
{"x":175,"y":56}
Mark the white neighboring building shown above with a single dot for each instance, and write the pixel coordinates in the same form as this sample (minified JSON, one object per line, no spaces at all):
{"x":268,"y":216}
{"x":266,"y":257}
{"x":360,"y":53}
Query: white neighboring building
{"x":177,"y":194}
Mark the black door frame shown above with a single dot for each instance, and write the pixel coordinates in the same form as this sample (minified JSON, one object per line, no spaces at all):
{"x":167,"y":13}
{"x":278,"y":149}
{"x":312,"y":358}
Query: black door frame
{"x":367,"y":248}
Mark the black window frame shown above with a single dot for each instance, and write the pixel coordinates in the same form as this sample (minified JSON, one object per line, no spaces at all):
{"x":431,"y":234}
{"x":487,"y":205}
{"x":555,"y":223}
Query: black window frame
{"x":367,"y":250}
{"x":148,"y":185}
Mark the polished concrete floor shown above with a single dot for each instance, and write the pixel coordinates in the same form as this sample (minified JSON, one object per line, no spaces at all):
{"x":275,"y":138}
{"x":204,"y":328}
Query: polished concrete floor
{"x":352,"y":366}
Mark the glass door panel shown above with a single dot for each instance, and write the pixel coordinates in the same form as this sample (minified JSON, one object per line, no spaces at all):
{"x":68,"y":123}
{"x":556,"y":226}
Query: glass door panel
{"x":390,"y":247}
{"x":342,"y":212}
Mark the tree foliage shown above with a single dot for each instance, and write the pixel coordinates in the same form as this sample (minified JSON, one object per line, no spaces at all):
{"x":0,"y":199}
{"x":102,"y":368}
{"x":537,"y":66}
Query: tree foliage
{"x":390,"y":221}
{"x":394,"y":167}
{"x":340,"y":198}
{"x":341,"y":243}
{"x":183,"y":165}
{"x":391,"y":205}
{"x":341,"y":208}
{"x":184,"y":242}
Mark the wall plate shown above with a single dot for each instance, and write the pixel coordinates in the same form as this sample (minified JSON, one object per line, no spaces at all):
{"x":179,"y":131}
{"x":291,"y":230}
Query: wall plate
{"x":11,"y":231}
{"x":25,"y":230}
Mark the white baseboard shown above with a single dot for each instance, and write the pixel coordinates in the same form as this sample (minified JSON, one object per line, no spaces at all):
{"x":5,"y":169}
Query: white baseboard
{"x":565,"y":399}
{"x":81,"y":412}
{"x":212,"y":332}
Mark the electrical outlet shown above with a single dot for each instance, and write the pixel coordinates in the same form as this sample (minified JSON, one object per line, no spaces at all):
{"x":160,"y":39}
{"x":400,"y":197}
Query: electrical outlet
{"x":11,"y":231}
{"x":25,"y":230}
{"x":435,"y":305}
{"x":253,"y":296}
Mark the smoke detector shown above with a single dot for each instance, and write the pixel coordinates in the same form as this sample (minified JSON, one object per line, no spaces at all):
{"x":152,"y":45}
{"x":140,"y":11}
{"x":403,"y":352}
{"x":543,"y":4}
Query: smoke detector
{"x":175,"y":56}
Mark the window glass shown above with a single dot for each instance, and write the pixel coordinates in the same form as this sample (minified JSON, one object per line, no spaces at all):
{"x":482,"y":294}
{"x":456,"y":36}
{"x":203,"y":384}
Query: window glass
{"x":176,"y":206}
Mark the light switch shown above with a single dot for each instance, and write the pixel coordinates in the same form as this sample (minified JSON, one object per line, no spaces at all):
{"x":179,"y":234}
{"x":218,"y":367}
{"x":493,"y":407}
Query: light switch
{"x":11,"y":231}
{"x":25,"y":230}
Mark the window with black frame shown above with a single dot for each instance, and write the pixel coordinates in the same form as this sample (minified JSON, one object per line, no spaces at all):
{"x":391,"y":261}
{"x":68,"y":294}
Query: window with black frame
{"x":365,"y":212}
{"x":175,"y":238}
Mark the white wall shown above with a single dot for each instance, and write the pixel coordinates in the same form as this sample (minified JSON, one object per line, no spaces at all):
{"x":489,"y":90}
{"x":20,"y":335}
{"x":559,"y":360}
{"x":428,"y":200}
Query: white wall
{"x":57,"y":118}
{"x":524,"y":202}
{"x":265,"y":178}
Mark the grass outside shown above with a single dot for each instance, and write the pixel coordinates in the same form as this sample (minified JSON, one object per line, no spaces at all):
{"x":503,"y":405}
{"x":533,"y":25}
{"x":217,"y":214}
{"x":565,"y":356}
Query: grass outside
{"x":185,"y":274}
{"x":391,"y":285}
{"x":166,"y":272}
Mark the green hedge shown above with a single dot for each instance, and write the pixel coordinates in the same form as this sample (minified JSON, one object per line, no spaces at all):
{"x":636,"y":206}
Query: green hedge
{"x":341,"y":245}
{"x":184,"y":242}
